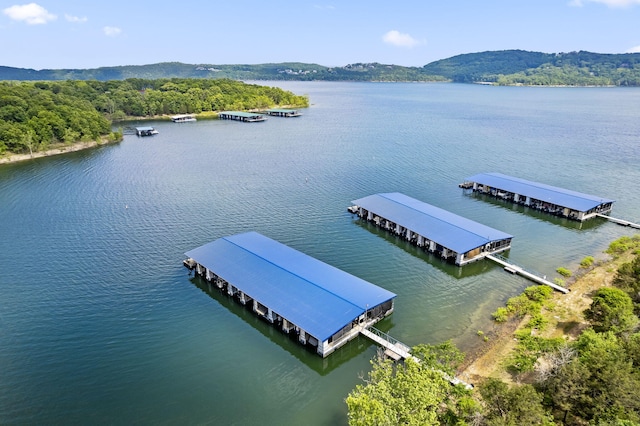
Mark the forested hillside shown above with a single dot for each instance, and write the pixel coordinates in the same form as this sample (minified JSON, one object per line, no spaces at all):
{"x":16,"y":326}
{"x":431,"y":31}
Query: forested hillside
{"x":283,"y":71}
{"x":511,"y":67}
{"x":506,"y":67}
{"x":36,"y":115}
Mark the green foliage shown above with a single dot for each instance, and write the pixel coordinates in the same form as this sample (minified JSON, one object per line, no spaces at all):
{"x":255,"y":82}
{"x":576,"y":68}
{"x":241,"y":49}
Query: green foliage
{"x":598,"y":385}
{"x":529,"y":302}
{"x":563,"y":271}
{"x":529,"y":348}
{"x":501,"y":314}
{"x":623,"y":244}
{"x":34,"y":115}
{"x":506,"y":67}
{"x":538,"y":293}
{"x":516,"y":405}
{"x":518,"y":67}
{"x":586,"y":262}
{"x":628,"y":280}
{"x":281,"y":71}
{"x":611,"y":310}
{"x":411,"y":393}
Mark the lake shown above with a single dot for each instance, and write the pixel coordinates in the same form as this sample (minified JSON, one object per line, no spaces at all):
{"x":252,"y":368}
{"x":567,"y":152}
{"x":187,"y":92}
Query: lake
{"x":100,"y":322}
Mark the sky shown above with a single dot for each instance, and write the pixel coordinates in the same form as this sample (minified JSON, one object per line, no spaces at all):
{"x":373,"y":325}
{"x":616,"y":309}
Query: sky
{"x":53,"y":34}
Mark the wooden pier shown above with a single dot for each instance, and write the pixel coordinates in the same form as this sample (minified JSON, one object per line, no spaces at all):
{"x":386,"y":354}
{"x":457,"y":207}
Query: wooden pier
{"x":620,"y":222}
{"x":398,"y":350}
{"x":515,"y":269}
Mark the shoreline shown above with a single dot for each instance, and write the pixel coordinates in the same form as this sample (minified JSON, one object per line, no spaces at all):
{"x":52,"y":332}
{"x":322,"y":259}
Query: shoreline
{"x":57,"y":150}
{"x":486,"y":359}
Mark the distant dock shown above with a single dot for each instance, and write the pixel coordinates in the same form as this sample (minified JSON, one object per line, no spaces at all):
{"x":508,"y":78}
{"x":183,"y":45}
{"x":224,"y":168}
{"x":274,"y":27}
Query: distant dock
{"x":247,"y":117}
{"x":283,"y":112}
{"x":539,"y":196}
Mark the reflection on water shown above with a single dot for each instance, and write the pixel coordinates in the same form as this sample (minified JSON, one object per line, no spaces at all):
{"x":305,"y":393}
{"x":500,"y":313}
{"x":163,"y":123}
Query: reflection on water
{"x":455,"y":271}
{"x":537,"y":214}
{"x":304,"y":353}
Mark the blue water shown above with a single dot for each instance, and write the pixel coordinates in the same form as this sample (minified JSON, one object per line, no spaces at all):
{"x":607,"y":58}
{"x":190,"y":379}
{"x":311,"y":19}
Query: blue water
{"x":100,"y":322}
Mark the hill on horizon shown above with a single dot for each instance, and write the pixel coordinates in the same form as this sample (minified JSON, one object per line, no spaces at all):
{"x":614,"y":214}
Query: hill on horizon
{"x":504,"y":67}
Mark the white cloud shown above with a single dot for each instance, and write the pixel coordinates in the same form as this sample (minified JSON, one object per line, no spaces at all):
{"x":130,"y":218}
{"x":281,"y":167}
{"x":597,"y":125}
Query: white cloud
{"x":635,"y":49}
{"x":111,"y":31}
{"x":397,"y":38}
{"x":72,"y":18}
{"x":324,"y":6}
{"x":32,"y":14}
{"x":610,"y":3}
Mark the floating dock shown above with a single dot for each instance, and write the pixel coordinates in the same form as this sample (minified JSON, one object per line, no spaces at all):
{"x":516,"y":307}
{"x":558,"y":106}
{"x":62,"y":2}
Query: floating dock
{"x":620,"y":222}
{"x":324,"y":306}
{"x":247,"y":117}
{"x":183,"y":118}
{"x":282,"y":112}
{"x":515,"y":269}
{"x":438,"y":231}
{"x":146,"y":131}
{"x":550,"y":199}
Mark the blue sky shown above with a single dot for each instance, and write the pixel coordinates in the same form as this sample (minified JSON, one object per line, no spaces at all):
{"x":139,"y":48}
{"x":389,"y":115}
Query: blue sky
{"x":91,"y":34}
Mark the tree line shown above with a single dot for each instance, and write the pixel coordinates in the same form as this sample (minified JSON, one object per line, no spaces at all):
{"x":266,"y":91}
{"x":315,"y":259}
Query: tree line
{"x":593,"y":379}
{"x":37,"y":115}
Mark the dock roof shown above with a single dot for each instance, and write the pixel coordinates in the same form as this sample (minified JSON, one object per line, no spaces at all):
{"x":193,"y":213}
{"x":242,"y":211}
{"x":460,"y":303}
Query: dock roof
{"x":551,"y":194}
{"x":241,"y":113}
{"x":445,"y":228}
{"x":317,"y":297}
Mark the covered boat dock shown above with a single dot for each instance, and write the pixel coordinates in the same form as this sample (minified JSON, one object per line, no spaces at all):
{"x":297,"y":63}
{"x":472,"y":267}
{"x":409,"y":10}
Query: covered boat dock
{"x":550,"y":199}
{"x":247,"y":117}
{"x":283,"y":112}
{"x":146,"y":131}
{"x":324,"y":306}
{"x":438,"y":231}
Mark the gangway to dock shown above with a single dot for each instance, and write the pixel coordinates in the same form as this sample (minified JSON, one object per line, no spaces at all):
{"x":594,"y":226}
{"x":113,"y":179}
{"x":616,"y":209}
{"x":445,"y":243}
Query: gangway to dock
{"x":402,"y":351}
{"x":516,"y":269}
{"x":621,"y":222}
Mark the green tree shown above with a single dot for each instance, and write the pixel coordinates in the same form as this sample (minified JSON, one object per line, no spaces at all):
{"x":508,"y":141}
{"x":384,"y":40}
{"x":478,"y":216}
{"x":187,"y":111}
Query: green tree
{"x":513,"y":406}
{"x":611,"y":310}
{"x":412,"y":393}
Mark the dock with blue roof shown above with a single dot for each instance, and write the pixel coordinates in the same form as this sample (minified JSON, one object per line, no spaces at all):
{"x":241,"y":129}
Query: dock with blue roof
{"x":438,"y":231}
{"x":324,"y":306}
{"x":539,"y":196}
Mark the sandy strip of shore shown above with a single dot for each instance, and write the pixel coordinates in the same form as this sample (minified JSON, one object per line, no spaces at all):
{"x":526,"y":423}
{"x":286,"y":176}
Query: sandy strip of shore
{"x":62,"y":149}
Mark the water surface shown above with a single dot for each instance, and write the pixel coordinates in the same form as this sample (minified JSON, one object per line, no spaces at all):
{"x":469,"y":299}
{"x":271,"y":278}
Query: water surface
{"x":99,"y":321}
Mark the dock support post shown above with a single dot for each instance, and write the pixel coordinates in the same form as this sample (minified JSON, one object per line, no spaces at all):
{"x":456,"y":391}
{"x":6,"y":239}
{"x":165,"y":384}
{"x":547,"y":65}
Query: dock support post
{"x":302,"y":338}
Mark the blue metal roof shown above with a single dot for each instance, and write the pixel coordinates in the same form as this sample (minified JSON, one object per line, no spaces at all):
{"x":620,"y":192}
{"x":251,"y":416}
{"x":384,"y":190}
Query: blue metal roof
{"x":317,"y":297}
{"x":445,"y":228}
{"x":551,"y":194}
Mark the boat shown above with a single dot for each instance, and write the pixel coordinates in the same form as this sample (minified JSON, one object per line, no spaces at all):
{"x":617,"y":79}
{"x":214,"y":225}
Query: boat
{"x":182,"y":118}
{"x":146,"y":131}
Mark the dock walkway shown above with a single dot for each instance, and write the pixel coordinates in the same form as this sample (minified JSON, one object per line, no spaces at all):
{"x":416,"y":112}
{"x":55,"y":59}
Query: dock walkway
{"x":515,"y":269}
{"x":621,"y":222}
{"x":402,"y":350}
